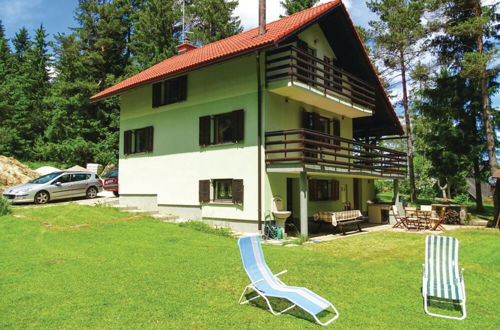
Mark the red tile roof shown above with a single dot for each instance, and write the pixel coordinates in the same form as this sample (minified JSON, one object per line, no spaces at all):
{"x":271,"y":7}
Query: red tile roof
{"x":235,"y":45}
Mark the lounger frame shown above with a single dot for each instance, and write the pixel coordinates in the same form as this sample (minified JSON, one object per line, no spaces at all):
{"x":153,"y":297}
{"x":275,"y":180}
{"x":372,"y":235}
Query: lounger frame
{"x":263,"y":295}
{"x":427,"y":297}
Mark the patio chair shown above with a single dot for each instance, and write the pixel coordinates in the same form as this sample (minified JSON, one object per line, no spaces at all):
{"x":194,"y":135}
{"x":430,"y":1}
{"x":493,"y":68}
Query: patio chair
{"x":267,"y":285}
{"x":400,"y":220}
{"x":441,"y":279}
{"x":436,"y":223}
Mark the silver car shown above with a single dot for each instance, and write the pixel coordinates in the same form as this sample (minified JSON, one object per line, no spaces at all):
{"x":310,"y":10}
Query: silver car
{"x":57,"y":185}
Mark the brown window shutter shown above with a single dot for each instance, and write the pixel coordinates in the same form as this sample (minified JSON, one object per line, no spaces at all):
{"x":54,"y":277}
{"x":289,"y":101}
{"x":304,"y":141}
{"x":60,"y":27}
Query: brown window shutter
{"x":238,"y":125}
{"x":149,"y":138}
{"x":157,"y":95}
{"x":316,"y":122}
{"x":336,"y":127}
{"x":127,"y":142}
{"x":336,"y":130}
{"x":182,"y":88}
{"x":335,"y":190}
{"x":237,"y":190}
{"x":204,"y":191}
{"x":205,"y":130}
{"x":313,"y":190}
{"x":301,"y":44}
{"x":307,"y":120}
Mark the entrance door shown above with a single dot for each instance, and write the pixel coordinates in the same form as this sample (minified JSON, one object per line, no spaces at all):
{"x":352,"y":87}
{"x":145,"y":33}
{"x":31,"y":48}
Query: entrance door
{"x":356,"y":193}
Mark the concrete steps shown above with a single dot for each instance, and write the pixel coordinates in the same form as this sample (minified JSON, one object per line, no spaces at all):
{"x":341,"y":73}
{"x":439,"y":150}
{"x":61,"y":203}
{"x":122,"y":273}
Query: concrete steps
{"x":154,"y":214}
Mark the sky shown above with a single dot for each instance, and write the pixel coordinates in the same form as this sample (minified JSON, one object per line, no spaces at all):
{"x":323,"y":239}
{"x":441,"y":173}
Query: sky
{"x":57,"y":16}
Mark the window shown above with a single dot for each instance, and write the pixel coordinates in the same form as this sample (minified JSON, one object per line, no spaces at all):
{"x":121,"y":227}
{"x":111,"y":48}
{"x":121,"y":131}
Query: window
{"x":138,"y":140}
{"x":305,"y":62}
{"x":170,"y":91}
{"x":221,"y":190}
{"x":63,"y":179}
{"x":324,"y":125}
{"x":323,"y":190}
{"x":223,"y":128}
{"x":80,"y":177}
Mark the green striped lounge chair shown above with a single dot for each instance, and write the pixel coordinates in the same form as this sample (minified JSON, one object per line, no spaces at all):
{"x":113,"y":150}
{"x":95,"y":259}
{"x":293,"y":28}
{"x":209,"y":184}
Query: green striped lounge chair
{"x":442,"y":281}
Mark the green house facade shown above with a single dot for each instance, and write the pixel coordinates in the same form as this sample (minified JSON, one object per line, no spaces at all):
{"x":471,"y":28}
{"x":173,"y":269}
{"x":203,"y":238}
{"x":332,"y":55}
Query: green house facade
{"x":297,"y":118}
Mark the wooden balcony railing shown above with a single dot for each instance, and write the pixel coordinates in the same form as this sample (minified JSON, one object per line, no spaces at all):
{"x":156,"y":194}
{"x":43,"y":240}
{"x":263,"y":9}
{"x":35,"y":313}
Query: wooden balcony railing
{"x":290,"y":61}
{"x":314,"y":148}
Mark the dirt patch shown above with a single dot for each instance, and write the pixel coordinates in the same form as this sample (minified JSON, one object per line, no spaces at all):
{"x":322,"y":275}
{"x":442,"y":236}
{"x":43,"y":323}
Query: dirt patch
{"x":13,"y":173}
{"x":56,"y":261}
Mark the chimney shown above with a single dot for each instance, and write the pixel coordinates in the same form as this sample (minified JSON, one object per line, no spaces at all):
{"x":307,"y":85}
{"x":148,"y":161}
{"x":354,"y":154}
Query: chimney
{"x":185,"y":47}
{"x":262,"y":16}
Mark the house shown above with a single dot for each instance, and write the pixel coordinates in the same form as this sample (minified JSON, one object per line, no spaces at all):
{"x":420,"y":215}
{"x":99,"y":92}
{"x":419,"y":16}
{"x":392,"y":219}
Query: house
{"x":217,"y":132}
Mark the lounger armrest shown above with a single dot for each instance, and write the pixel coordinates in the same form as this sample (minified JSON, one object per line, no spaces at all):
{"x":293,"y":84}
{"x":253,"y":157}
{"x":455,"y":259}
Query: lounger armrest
{"x":281,"y":273}
{"x":461,"y":275}
{"x":424,"y":273}
{"x":257,"y":281}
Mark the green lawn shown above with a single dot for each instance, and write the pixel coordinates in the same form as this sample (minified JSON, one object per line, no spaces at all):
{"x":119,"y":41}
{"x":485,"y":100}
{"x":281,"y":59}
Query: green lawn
{"x":83,"y":267}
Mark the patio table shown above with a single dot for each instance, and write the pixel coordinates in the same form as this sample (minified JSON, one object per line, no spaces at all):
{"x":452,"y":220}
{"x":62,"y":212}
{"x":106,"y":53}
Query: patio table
{"x":423,"y":218}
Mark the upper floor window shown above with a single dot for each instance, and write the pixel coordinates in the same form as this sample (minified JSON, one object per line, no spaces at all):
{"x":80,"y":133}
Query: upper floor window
{"x":223,"y":128}
{"x":170,"y":91}
{"x":138,"y":140}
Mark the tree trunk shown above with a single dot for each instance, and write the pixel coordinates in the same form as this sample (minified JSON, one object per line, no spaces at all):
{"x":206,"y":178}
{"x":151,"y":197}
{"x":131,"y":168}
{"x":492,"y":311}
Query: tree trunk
{"x":477,"y":181}
{"x":411,"y":170}
{"x":485,"y":102}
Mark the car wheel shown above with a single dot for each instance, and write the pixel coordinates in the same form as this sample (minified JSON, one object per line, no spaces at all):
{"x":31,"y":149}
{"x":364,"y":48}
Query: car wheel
{"x":42,"y":197}
{"x":92,"y":192}
{"x":116,"y":193}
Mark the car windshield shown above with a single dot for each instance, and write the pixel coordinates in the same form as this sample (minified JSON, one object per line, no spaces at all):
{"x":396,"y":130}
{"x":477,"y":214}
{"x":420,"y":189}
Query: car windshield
{"x":113,"y":174}
{"x":46,"y":178}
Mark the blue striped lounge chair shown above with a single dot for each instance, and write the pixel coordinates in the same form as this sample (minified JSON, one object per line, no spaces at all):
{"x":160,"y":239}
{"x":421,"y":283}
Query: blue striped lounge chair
{"x":266,"y":284}
{"x":442,"y":281}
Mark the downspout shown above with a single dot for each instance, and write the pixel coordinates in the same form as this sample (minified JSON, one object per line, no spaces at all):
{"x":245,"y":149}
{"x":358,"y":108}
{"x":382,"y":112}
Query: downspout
{"x":259,"y":143}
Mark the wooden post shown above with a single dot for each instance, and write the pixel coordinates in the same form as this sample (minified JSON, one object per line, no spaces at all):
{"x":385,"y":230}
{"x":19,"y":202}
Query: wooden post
{"x":395,"y":189}
{"x":304,"y":187}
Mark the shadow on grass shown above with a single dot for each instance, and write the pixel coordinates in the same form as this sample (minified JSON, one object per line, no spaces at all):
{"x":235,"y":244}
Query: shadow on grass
{"x":279,"y":304}
{"x":444,"y":306}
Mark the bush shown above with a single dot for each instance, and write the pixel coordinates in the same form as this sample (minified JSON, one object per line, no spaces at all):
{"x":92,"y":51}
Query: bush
{"x":203,"y":227}
{"x":461,"y":199}
{"x":5,"y":207}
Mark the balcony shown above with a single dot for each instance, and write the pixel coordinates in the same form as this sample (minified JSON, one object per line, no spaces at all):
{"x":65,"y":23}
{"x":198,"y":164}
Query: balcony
{"x":295,"y":74}
{"x":305,"y":150}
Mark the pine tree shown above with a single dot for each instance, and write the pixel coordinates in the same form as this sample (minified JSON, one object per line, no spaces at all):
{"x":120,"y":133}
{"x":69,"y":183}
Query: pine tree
{"x":445,"y":116}
{"x":397,"y":35}
{"x":294,"y":6}
{"x":465,"y":44}
{"x":40,"y":87}
{"x":20,"y":120}
{"x":212,"y":20}
{"x":7,"y":134}
{"x":90,"y":59}
{"x":156,"y":32}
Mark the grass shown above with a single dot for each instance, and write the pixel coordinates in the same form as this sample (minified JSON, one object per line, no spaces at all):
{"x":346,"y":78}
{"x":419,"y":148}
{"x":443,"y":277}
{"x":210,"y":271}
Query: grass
{"x":118,"y":272}
{"x":486,"y":214}
{"x":37,"y":164}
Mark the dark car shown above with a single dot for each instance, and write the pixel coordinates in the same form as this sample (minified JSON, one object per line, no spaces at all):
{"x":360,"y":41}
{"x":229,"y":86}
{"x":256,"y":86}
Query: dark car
{"x":111,"y":182}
